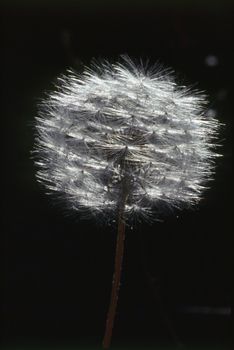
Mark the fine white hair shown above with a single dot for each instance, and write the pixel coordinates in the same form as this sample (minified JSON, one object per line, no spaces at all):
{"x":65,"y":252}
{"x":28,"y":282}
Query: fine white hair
{"x":125,"y":121}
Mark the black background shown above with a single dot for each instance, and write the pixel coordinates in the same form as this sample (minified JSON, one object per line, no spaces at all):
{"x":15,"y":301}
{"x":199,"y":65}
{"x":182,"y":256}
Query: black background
{"x":57,"y":268}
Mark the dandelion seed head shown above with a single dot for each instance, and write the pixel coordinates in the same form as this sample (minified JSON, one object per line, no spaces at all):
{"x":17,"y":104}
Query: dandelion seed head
{"x":125,"y":121}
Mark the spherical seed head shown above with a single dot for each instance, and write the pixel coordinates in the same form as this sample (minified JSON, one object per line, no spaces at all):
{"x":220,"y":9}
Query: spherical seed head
{"x":125,"y":126}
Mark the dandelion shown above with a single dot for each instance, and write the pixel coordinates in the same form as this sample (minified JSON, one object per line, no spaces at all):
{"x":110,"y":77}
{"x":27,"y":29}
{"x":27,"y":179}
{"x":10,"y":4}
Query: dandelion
{"x":124,"y":140}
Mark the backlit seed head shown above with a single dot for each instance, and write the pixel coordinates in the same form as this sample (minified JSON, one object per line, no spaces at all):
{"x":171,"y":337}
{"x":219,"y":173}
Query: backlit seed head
{"x":128,"y":124}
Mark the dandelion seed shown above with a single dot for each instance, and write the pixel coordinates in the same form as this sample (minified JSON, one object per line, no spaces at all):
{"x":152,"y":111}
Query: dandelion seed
{"x":116,"y":121}
{"x":124,"y":140}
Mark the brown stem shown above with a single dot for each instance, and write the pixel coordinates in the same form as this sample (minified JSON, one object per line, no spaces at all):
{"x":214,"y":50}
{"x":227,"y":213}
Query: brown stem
{"x":116,"y":276}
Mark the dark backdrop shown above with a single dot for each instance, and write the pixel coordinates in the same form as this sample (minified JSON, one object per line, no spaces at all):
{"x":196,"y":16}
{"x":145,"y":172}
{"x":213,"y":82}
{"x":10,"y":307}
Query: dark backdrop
{"x":57,"y":268}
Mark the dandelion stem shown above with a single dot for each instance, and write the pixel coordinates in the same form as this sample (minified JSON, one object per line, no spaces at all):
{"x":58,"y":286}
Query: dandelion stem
{"x":117,"y":270}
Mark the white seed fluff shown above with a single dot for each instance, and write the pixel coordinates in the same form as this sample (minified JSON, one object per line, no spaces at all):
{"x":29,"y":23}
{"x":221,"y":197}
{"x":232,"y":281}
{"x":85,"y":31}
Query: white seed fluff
{"x":124,"y":123}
